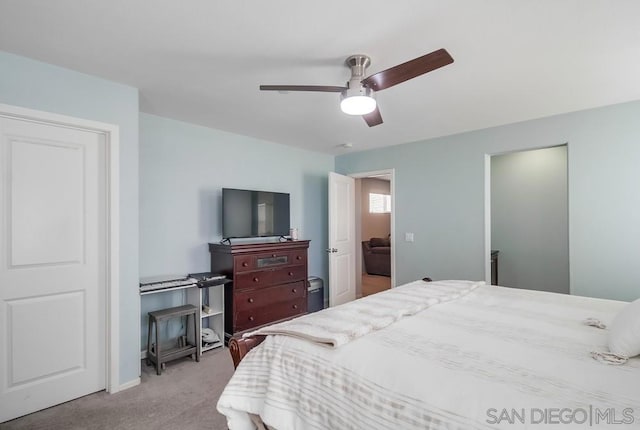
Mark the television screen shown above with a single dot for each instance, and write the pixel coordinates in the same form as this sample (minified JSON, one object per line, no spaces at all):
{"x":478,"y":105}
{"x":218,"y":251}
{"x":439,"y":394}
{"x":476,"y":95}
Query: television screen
{"x":247,"y":213}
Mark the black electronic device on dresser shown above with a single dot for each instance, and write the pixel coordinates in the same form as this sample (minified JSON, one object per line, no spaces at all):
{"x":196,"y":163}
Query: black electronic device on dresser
{"x":252,"y":213}
{"x":269,"y":282}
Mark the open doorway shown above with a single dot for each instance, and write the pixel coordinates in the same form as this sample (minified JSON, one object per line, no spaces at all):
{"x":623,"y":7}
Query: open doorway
{"x":374,"y":241}
{"x":529,"y":219}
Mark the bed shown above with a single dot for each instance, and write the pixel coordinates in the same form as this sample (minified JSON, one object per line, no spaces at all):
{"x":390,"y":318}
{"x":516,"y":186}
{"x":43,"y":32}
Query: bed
{"x":471,"y":356}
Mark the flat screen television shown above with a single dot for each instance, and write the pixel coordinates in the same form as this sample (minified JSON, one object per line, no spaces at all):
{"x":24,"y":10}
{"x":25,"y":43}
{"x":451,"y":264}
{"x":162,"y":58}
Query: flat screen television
{"x":248,"y":213}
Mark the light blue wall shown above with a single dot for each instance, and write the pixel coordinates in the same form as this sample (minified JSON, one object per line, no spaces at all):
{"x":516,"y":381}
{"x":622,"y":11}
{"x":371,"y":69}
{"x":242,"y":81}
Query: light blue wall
{"x":440,"y":197}
{"x":35,"y":85}
{"x":183,"y":168}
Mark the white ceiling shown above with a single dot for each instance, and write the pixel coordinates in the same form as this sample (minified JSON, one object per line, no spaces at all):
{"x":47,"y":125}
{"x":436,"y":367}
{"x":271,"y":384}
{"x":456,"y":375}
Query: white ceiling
{"x":201,"y":61}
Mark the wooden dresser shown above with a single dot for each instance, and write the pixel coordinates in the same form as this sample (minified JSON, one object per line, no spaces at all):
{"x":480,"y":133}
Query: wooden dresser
{"x":269,"y":282}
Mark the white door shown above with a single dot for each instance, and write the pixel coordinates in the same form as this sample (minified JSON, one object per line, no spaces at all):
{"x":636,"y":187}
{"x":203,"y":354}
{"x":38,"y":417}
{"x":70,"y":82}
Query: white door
{"x":342,"y":239}
{"x":52,"y":265}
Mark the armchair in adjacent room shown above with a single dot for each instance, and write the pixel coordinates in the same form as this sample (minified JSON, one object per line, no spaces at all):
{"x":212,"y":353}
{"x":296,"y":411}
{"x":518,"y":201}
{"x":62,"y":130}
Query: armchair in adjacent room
{"x":376,"y":253}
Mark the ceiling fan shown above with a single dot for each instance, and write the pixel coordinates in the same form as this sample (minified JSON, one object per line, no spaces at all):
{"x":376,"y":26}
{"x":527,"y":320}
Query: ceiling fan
{"x":357,"y":98}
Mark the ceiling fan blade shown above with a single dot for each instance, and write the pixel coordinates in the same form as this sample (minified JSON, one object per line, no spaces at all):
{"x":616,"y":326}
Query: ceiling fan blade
{"x":409,"y":70}
{"x":319,"y":88}
{"x":374,"y":118}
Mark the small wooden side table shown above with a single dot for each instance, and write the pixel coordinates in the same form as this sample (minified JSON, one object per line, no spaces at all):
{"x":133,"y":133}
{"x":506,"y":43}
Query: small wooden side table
{"x":159,"y":357}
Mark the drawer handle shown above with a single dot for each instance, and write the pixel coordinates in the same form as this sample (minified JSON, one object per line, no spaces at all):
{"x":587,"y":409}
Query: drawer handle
{"x":290,"y":273}
{"x":245,"y":264}
{"x":295,"y":306}
{"x":294,"y":290}
{"x":251,"y":318}
{"x":256,"y":279}
{"x":298,"y":257}
{"x":273,"y":255}
{"x":250,"y":300}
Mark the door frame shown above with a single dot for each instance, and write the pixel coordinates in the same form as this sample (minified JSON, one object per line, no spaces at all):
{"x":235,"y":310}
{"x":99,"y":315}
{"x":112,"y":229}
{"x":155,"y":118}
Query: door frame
{"x":111,"y":134}
{"x":487,"y":217}
{"x":392,"y":228}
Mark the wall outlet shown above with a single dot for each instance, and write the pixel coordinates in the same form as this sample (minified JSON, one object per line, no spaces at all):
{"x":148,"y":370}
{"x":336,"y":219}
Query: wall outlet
{"x":408,"y":237}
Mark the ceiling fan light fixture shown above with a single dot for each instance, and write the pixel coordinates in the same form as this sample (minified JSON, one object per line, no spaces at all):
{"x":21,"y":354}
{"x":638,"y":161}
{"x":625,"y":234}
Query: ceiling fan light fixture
{"x":358,"y":101}
{"x":357,"y":97}
{"x":358,"y":105}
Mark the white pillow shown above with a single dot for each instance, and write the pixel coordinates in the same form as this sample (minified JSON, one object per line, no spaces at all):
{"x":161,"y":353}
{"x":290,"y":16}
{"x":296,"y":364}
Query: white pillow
{"x":624,"y":335}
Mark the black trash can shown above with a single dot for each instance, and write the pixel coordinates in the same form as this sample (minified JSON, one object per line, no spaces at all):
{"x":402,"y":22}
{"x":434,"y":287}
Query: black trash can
{"x":315,"y":294}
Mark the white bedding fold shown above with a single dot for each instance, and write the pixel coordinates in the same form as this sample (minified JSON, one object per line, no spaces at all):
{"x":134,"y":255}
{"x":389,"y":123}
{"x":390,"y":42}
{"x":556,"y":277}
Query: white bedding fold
{"x":337,"y":326}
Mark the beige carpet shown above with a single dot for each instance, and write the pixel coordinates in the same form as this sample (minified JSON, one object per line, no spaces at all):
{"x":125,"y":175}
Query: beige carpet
{"x":372,"y":284}
{"x":183,"y":397}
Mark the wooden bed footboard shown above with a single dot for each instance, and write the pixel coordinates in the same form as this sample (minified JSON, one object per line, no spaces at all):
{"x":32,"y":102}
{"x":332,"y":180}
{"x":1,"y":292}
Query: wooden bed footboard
{"x":239,"y":346}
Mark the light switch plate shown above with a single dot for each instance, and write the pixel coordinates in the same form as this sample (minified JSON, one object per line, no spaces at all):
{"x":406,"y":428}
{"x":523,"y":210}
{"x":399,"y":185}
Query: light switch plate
{"x":408,"y":237}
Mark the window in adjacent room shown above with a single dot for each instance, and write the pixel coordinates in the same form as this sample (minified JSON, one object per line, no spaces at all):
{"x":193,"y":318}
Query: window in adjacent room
{"x":379,"y":203}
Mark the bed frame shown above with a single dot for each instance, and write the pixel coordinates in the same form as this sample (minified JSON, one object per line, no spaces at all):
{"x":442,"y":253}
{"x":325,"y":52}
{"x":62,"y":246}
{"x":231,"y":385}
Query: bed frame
{"x":239,"y":346}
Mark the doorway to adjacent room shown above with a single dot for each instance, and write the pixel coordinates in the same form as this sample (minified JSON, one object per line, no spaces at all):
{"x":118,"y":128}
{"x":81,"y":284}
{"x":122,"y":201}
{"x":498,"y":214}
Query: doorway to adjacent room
{"x":350,"y":276}
{"x":374,"y":249}
{"x":529,"y":227}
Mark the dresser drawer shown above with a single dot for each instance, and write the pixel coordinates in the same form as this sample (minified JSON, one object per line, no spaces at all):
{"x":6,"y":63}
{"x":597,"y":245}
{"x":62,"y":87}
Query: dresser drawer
{"x":288,"y":274}
{"x":298,"y":256}
{"x":256,"y":317}
{"x":270,"y":260}
{"x":253,"y":279}
{"x":263,"y":297}
{"x":267,"y":277}
{"x":243,"y":263}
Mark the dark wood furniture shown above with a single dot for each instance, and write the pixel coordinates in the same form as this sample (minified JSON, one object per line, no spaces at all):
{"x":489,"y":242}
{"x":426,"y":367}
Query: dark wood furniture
{"x":239,"y":347}
{"x":494,"y":266}
{"x":376,"y":254}
{"x":269,"y":282}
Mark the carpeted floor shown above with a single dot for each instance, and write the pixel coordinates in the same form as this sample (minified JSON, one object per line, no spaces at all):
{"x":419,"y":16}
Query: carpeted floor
{"x":184,"y":397}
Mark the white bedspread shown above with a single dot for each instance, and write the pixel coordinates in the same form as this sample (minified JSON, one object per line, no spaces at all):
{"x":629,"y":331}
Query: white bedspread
{"x":494,"y":358}
{"x":339,"y":325}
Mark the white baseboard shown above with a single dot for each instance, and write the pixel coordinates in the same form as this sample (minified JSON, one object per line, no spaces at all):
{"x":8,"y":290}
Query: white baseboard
{"x":128,"y":385}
